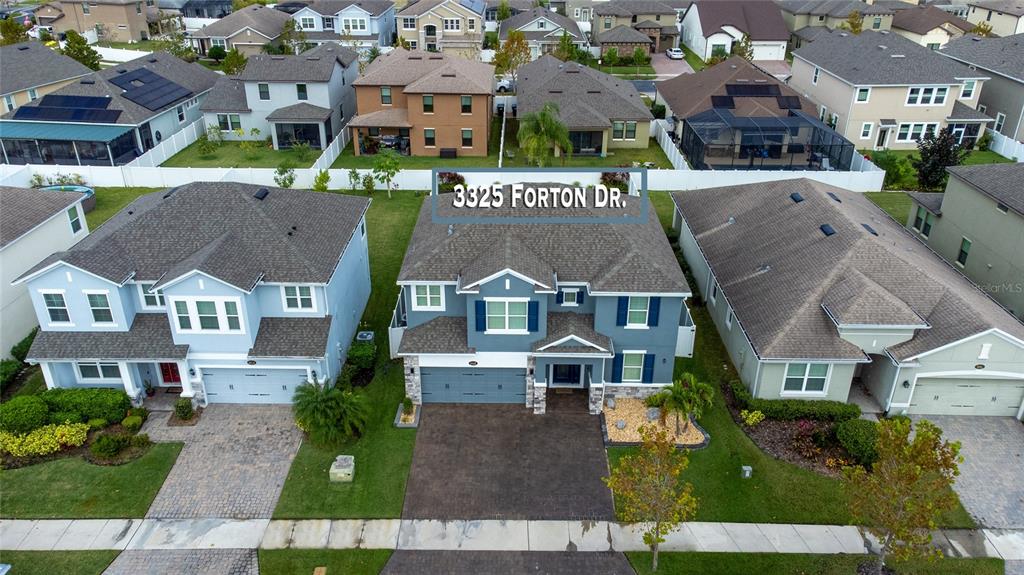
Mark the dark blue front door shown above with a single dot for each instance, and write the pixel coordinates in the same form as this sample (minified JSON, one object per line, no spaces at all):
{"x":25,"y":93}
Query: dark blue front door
{"x":565,"y":374}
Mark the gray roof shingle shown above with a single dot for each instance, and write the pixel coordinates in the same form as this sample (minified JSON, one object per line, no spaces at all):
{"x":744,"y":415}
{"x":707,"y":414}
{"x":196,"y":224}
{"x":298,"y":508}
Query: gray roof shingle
{"x":833,"y":8}
{"x":1012,"y":7}
{"x":31,"y":64}
{"x":314,"y":65}
{"x":332,"y":7}
{"x":420,"y":7}
{"x":267,"y":21}
{"x":624,"y":35}
{"x":759,"y":19}
{"x":962,"y":111}
{"x":777,"y":290}
{"x":632,"y":8}
{"x":931,"y":201}
{"x":443,"y":334}
{"x":424,"y":72}
{"x":292,"y":337}
{"x":1000,"y":181}
{"x":561,"y":325}
{"x":22,"y":209}
{"x":303,"y":111}
{"x":526,"y":17}
{"x":1000,"y":55}
{"x":924,"y":19}
{"x":227,"y":95}
{"x":148,"y":338}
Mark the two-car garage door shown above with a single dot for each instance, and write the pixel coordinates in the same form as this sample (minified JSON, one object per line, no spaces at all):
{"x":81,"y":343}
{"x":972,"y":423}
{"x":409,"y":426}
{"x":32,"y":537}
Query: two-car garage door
{"x":227,"y":385}
{"x":458,"y":385}
{"x":998,"y":397}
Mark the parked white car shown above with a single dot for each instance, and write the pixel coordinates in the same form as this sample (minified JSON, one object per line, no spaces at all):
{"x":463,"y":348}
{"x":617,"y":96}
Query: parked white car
{"x":674,"y":53}
{"x":505,"y":84}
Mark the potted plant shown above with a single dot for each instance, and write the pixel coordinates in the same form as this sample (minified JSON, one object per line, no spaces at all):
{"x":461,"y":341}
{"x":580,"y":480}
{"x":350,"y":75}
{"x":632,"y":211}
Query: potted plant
{"x":150,"y":390}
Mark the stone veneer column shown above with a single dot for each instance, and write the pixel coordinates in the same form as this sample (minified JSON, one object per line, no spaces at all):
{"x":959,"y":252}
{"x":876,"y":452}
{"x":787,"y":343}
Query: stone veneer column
{"x":596,"y":398}
{"x":540,"y":398}
{"x":411,"y":365}
{"x":531,"y":379}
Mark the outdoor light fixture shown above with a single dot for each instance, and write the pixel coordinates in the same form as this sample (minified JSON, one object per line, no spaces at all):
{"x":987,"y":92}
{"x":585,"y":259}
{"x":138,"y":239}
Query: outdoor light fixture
{"x":192,"y":372}
{"x":313,"y":372}
{"x":906,"y":384}
{"x":412,"y":370}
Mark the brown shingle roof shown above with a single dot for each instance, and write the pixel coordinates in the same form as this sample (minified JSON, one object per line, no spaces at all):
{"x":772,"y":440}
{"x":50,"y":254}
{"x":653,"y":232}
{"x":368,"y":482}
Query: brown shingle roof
{"x":759,"y":19}
{"x":423,"y":72}
{"x":924,"y":19}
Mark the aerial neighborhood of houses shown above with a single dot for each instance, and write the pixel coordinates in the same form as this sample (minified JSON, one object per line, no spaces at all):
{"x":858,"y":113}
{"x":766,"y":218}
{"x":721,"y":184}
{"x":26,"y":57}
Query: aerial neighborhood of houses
{"x":512,"y":286}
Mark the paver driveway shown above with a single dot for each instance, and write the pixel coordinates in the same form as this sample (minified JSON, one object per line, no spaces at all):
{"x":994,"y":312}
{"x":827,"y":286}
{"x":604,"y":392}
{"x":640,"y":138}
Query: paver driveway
{"x":666,"y":67}
{"x":991,"y":481}
{"x":180,"y":561}
{"x":507,"y":562}
{"x":504,"y":462}
{"x":233,"y":465}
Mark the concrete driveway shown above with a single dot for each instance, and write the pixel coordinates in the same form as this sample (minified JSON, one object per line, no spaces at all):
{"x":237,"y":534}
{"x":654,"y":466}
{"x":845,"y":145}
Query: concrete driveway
{"x":991,"y":481}
{"x":504,"y":462}
{"x":667,"y":68}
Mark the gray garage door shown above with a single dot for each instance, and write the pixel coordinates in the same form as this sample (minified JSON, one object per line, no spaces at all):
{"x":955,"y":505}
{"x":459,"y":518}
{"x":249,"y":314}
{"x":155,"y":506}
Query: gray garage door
{"x":1000,"y":397}
{"x":457,"y":385}
{"x":252,"y":385}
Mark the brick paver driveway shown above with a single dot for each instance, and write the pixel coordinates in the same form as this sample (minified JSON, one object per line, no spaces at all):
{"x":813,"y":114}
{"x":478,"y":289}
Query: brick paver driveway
{"x":233,"y":465}
{"x":180,"y":561}
{"x":991,"y":481}
{"x":506,"y":562}
{"x":666,"y":67}
{"x":504,"y":462}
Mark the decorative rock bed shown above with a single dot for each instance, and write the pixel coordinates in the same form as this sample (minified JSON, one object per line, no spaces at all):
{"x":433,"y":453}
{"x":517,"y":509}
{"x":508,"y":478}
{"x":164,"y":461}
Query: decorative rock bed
{"x":408,"y":421}
{"x":622,"y":419}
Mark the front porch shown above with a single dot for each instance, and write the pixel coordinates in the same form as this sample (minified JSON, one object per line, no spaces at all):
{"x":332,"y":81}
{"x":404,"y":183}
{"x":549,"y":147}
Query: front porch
{"x":157,"y":383}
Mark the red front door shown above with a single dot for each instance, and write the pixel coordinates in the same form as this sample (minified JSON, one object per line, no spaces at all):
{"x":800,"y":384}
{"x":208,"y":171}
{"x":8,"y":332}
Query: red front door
{"x":169,"y":373}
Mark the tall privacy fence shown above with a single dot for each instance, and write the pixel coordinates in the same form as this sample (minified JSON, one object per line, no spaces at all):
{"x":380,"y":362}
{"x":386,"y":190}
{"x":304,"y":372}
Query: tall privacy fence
{"x":1006,"y":147}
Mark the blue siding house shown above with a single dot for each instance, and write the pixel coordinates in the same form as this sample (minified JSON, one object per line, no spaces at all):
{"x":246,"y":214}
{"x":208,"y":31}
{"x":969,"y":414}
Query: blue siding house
{"x":222,"y":292}
{"x":497,"y":313}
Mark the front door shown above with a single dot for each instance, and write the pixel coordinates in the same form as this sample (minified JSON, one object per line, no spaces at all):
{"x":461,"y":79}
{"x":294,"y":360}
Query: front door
{"x":169,"y":374}
{"x":566,"y":375}
{"x":883,"y":134}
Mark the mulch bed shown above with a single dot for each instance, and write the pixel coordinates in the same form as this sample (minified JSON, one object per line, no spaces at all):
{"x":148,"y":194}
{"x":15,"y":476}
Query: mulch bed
{"x":129,"y":454}
{"x":175,"y":421}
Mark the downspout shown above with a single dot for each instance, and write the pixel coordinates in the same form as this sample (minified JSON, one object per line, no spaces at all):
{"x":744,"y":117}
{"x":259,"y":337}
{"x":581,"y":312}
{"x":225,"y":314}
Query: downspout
{"x":757,"y":377}
{"x":892,"y":390}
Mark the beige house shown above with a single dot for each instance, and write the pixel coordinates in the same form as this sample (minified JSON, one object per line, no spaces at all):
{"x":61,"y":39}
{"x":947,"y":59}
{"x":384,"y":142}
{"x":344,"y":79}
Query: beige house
{"x":113,"y":20}
{"x":881,"y":90}
{"x":617,"y":23}
{"x":929,"y":26}
{"x":1006,"y":17}
{"x":31,"y":71}
{"x":806,"y":18}
{"x":450,"y":26}
{"x":246,"y":30}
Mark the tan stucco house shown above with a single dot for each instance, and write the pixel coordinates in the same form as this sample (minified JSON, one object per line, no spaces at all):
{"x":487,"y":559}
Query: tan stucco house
{"x":31,"y":71}
{"x":1006,"y":17}
{"x":624,"y":24}
{"x":113,"y":20}
{"x":451,"y":26}
{"x":245,"y":30}
{"x":929,"y":26}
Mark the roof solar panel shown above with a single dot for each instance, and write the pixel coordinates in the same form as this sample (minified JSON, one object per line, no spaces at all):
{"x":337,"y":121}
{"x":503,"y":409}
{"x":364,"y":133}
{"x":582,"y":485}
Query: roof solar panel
{"x":91,"y":102}
{"x":55,"y":114}
{"x":149,"y":89}
{"x":788,"y":102}
{"x":751,"y":90}
{"x":722,"y":102}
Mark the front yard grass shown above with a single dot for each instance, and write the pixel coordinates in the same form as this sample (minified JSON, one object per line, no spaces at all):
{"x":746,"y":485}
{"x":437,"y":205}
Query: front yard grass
{"x":693,"y":59}
{"x":53,"y":562}
{"x":347,"y":561}
{"x":384,"y":453}
{"x":72,"y":488}
{"x":109,"y":201}
{"x":230,"y":155}
{"x":33,"y":384}
{"x":896,"y":204}
{"x":800,"y":564}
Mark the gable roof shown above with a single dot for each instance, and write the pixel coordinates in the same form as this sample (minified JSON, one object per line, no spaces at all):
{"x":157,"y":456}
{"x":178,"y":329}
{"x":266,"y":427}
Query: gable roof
{"x":610,"y":257}
{"x":220,"y":229}
{"x":924,"y":19}
{"x":332,"y":7}
{"x":227,"y":95}
{"x":428,"y":72}
{"x":567,"y":333}
{"x":689,"y":94}
{"x":267,"y":21}
{"x":313,"y":65}
{"x":632,"y":8}
{"x":760,"y":20}
{"x":1012,"y":7}
{"x":833,"y":8}
{"x":879,"y":59}
{"x":421,"y":7}
{"x":586,"y":98}
{"x":1002,"y":182}
{"x":22,"y":209}
{"x":31,"y":64}
{"x":1000,"y":55}
{"x":779,"y":292}
{"x":528,"y":16}
{"x":622,"y":34}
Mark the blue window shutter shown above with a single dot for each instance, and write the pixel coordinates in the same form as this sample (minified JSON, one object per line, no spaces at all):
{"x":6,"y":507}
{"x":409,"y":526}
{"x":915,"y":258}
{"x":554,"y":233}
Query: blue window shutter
{"x":620,"y":317}
{"x":617,"y":368}
{"x":653,"y":310}
{"x":579,"y":297}
{"x":532,"y":310}
{"x":481,"y":315}
{"x":560,"y":298}
{"x":648,"y":376}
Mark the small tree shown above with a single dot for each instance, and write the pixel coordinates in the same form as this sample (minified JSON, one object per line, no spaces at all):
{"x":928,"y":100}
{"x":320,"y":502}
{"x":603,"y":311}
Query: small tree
{"x":354,"y":179}
{"x":321,"y":181}
{"x":368,"y":183}
{"x":512,"y":55}
{"x":329,"y":414}
{"x":504,"y":11}
{"x":215,"y":135}
{"x":743,"y":48}
{"x":650,"y":488}
{"x":292,"y":38}
{"x":77,"y":48}
{"x":983,"y":29}
{"x":641,"y":57}
{"x":302,"y":150}
{"x":611,"y":56}
{"x":936,"y":153}
{"x":12,"y":32}
{"x":177,"y":45}
{"x":284,"y":175}
{"x":234,"y":62}
{"x":206,"y":147}
{"x":854,"y":22}
{"x":216,"y":53}
{"x":386,"y":167}
{"x":910,"y":484}
{"x":686,"y":396}
{"x":565,"y":50}
{"x":540,"y":132}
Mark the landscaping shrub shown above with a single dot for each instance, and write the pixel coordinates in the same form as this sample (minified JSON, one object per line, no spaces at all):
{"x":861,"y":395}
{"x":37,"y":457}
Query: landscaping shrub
{"x":658,"y":111}
{"x":102,"y":403}
{"x":22,"y":414}
{"x":132,"y":423}
{"x":792,"y":409}
{"x":446,"y":181}
{"x":183,"y":409}
{"x":329,"y":413}
{"x":96,"y":423}
{"x":140,"y":412}
{"x":20,"y":349}
{"x":859,"y":437}
{"x":141,"y":440}
{"x":59,"y":417}
{"x":751,"y":418}
{"x":407,"y":405}
{"x":9,"y":369}
{"x":347,"y":375}
{"x":108,"y":445}
{"x":44,"y":440}
{"x":361,"y":354}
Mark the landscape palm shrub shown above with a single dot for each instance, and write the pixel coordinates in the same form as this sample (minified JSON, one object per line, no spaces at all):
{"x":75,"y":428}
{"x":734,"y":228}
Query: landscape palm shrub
{"x":686,"y":396}
{"x":328,"y":413}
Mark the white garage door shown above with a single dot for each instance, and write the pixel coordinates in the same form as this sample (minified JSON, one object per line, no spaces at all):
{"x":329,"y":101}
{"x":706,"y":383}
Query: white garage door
{"x":935,"y":396}
{"x":252,"y":385}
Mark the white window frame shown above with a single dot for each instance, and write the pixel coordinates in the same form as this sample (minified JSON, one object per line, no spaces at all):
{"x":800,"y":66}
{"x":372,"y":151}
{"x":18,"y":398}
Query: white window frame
{"x":314,"y":304}
{"x":803,"y":387}
{"x":713,"y":292}
{"x":1000,"y":121}
{"x":628,"y":353}
{"x":968,"y":93}
{"x":815,"y":75}
{"x":575,"y":297}
{"x":912,"y":128}
{"x":629,"y":310}
{"x":180,"y":110}
{"x":233,"y":121}
{"x":506,"y":330}
{"x":452,"y":24}
{"x":259,"y":91}
{"x":462,"y":138}
{"x":354,"y":24}
{"x":99,"y":368}
{"x":327,"y":22}
{"x":856,"y":98}
{"x":471,"y":24}
{"x":415,"y":296}
{"x":67,"y":309}
{"x":405,"y":23}
{"x":32,"y":94}
{"x":158,"y":294}
{"x":219,"y":42}
{"x":86,"y":9}
{"x":870,"y":128}
{"x":916,"y":96}
{"x":75,"y":220}
{"x":92,"y":310}
{"x":425,"y":144}
{"x":9,"y":102}
{"x":193,"y":315}
{"x":728,"y":318}
{"x":304,"y":19}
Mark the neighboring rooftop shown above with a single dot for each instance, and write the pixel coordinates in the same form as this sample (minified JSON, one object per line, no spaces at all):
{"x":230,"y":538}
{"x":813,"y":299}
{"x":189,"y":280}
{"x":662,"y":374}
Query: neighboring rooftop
{"x":869,"y":271}
{"x":528,"y":16}
{"x":23,"y":209}
{"x":875,"y":58}
{"x":622,"y":34}
{"x":420,"y":7}
{"x":1000,"y":181}
{"x":632,"y":8}
{"x":424,"y":72}
{"x":227,"y":95}
{"x":332,"y":7}
{"x":1013,"y":7}
{"x":760,"y":20}
{"x":314,"y":65}
{"x":31,"y":65}
{"x":266,"y":21}
{"x":923,"y":19}
{"x":833,"y":8}
{"x":586,"y":98}
{"x":931,"y":201}
{"x":1000,"y":55}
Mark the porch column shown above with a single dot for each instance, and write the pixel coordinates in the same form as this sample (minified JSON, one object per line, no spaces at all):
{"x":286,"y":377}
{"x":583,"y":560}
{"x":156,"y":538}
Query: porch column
{"x":126,"y":379}
{"x":48,"y":375}
{"x":531,"y":379}
{"x":273,"y":135}
{"x":596,"y":398}
{"x":413,"y":384}
{"x":186,"y":381}
{"x":540,"y":398}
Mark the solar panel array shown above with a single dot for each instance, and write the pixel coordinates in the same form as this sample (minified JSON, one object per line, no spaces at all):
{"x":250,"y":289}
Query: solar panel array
{"x":788,"y":102}
{"x":56,"y":114}
{"x":723,"y":102}
{"x":749,"y":90}
{"x":149,"y":89}
{"x":90,"y":102}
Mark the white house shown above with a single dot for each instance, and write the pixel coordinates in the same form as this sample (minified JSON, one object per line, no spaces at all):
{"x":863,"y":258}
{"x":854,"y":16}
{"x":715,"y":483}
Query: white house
{"x":711,"y":27}
{"x":362,"y":23}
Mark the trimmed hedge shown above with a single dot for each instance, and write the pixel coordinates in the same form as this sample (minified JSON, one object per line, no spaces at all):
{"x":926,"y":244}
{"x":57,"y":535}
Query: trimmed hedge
{"x":44,"y":440}
{"x":132,"y":423}
{"x":792,"y":409}
{"x":9,"y":369}
{"x":23,"y":414}
{"x":108,"y":445}
{"x":94,"y":403}
{"x":859,"y":437}
{"x":20,"y":349}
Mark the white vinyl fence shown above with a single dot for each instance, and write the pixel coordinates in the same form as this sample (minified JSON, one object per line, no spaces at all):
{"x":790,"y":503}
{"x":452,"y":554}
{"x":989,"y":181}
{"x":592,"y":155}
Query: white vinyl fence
{"x":118,"y":55}
{"x":176,"y":143}
{"x":192,"y":24}
{"x":1006,"y":147}
{"x":659,"y":131}
{"x":332,"y":151}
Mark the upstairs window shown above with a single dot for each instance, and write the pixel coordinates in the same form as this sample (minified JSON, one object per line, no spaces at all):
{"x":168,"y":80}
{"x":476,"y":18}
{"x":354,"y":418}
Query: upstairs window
{"x":184,"y":319}
{"x":967,"y":92}
{"x":452,"y":24}
{"x":428,"y":297}
{"x":328,"y":23}
{"x":264,"y":91}
{"x":385,"y":95}
{"x":507,"y":315}
{"x":151,"y":298}
{"x":56,"y":307}
{"x":428,"y":104}
{"x":301,"y":92}
{"x":408,"y":23}
{"x":298,"y":298}
{"x":863,"y":95}
{"x":926,"y":96}
{"x":209,"y":315}
{"x":307,"y":23}
{"x":206,"y":311}
{"x":636,"y":313}
{"x":86,"y":9}
{"x":74,"y":219}
{"x":99,"y":303}
{"x":876,"y":24}
{"x":965,"y":250}
{"x":814,"y":78}
{"x":467,"y":104}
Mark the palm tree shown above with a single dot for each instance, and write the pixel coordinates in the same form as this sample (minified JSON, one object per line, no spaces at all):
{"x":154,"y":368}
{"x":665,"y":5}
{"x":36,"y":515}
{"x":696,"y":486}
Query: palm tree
{"x":686,"y":396}
{"x":329,"y":414}
{"x":540,"y":132}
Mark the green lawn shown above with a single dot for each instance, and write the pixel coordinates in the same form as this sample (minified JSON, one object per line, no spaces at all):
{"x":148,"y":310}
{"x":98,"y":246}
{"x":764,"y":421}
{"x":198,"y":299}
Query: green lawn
{"x":976,"y":157}
{"x":693,"y":59}
{"x":230,"y":155}
{"x":383,"y":456}
{"x":33,"y":385}
{"x":896,"y":204}
{"x":348,"y":160}
{"x":109,"y":201}
{"x":54,"y":562}
{"x":799,"y":564}
{"x":143,"y":45}
{"x":74,"y":488}
{"x":337,"y":561}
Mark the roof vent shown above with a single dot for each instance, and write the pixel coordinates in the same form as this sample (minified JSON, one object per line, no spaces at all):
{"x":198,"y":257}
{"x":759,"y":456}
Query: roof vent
{"x":764,"y":268}
{"x":22,"y":48}
{"x":827,"y":230}
{"x":732,"y":220}
{"x":883,"y":47}
{"x":897,"y":56}
{"x":121,"y":71}
{"x":315,"y":58}
{"x":451,"y":229}
{"x":870,"y":229}
{"x":277,"y":57}
{"x":88,"y":81}
{"x":796,"y":197}
{"x":152,"y":60}
{"x":448,"y":75}
{"x":834,"y":197}
{"x":976,"y":39}
{"x":170,"y":192}
{"x":843,"y":34}
{"x":261,"y":193}
{"x":593,"y":91}
{"x":295,"y":228}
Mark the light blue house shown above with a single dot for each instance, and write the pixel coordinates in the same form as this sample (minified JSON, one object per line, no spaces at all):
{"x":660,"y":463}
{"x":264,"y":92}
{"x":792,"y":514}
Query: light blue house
{"x":492,"y":313}
{"x":226,"y":293}
{"x":363,"y":24}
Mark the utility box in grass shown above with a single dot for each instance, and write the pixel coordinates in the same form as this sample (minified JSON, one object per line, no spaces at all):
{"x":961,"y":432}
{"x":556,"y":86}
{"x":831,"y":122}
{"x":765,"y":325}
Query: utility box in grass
{"x":343,"y":469}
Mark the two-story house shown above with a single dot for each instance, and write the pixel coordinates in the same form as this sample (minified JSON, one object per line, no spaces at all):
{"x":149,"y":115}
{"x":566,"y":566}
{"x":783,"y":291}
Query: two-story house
{"x":246,"y":30}
{"x":223,"y":292}
{"x":881,"y":90}
{"x":1002,"y":60}
{"x":33,"y":225}
{"x":622,"y":23}
{"x":603,"y":113}
{"x":362,"y":24}
{"x":452,"y":26}
{"x":109,"y":117}
{"x":710,"y":27}
{"x":195,"y":8}
{"x":543,"y":30}
{"x":1006,"y":17}
{"x":978,"y":224}
{"x":491,"y":22}
{"x":31,"y":71}
{"x":307,"y":97}
{"x":112,"y":20}
{"x":929,"y":26}
{"x":818,"y":294}
{"x":509,"y":313}
{"x":424,"y":104}
{"x":808,"y":18}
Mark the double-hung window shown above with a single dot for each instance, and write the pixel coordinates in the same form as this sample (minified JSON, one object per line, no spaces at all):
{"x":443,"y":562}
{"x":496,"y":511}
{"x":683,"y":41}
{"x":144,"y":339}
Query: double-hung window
{"x":328,"y":23}
{"x":74,"y":219}
{"x":865,"y":130}
{"x":507,"y":316}
{"x":86,"y":9}
{"x":301,"y":92}
{"x":219,"y":42}
{"x":208,"y":315}
{"x":452,"y":24}
{"x":99,"y":303}
{"x":876,"y":24}
{"x":965,"y":250}
{"x":1000,"y":120}
{"x":264,"y":90}
{"x":428,"y":104}
{"x":98,"y":371}
{"x":428,"y":297}
{"x":229,"y":122}
{"x":570,"y":297}
{"x":298,"y":298}
{"x":923,"y":221}
{"x":817,"y":73}
{"x":385,"y":95}
{"x":467,"y":104}
{"x":32,"y":94}
{"x":926,"y":96}
{"x":408,"y":23}
{"x":56,"y":307}
{"x":863,"y":95}
{"x":181,"y":114}
{"x":967,"y":91}
{"x":9,"y":103}
{"x":467,"y":137}
{"x":307,"y":23}
{"x":806,"y":378}
{"x":636,"y":312}
{"x":632,"y":367}
{"x":206,"y":311}
{"x":151,"y":298}
{"x":429,"y":139}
